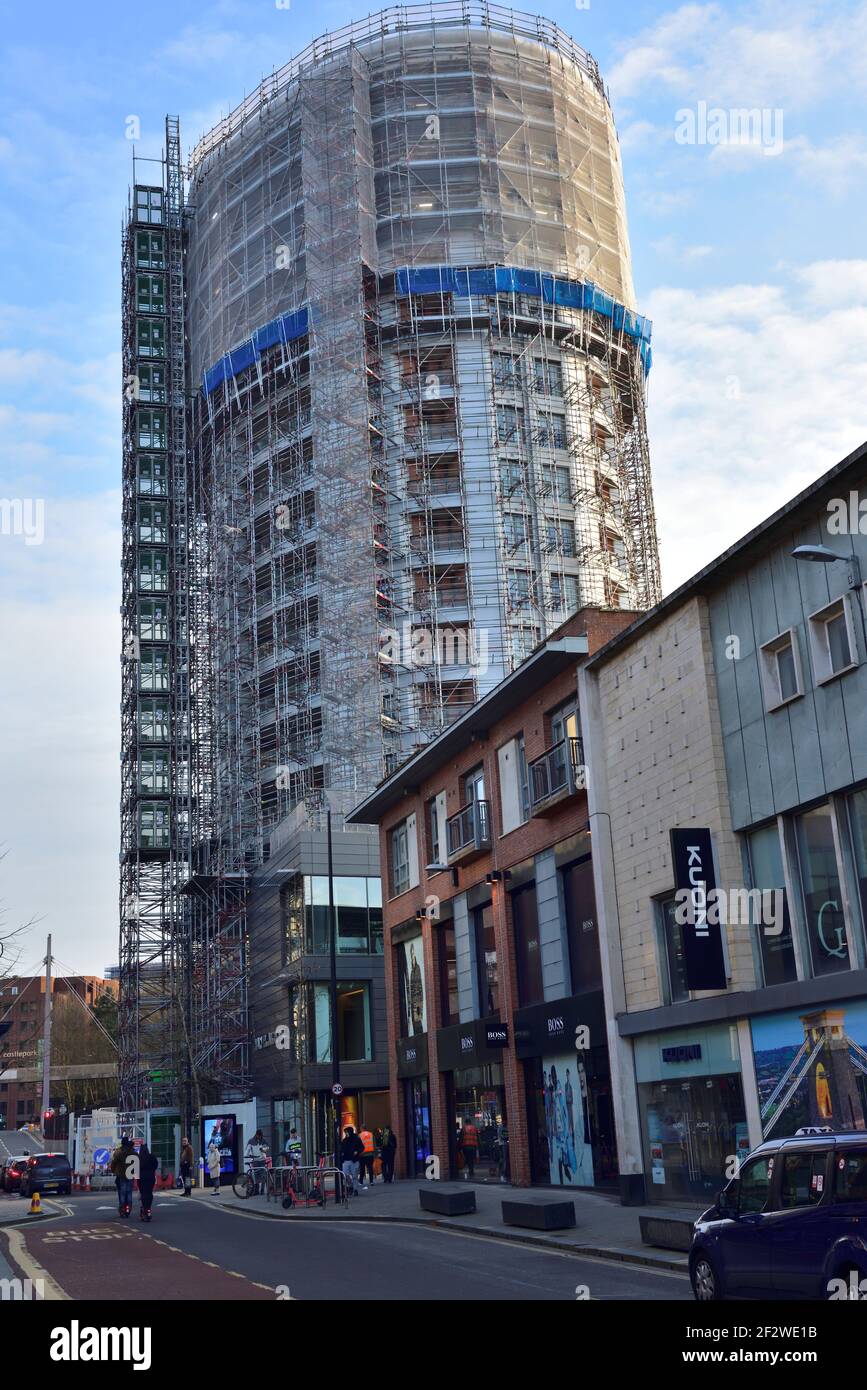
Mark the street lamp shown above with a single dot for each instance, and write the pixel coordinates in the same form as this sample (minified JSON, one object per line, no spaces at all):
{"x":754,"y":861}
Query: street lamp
{"x":821,"y":555}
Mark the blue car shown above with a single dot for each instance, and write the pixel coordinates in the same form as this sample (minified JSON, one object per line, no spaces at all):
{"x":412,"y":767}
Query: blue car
{"x":791,"y":1225}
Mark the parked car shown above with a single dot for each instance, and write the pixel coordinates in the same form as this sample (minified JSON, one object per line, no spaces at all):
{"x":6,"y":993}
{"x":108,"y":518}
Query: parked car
{"x":12,"y":1171}
{"x":791,"y":1225}
{"x":47,"y":1172}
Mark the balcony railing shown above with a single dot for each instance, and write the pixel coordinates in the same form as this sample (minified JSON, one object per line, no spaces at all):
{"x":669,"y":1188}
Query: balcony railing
{"x":557,"y":774}
{"x":469,"y":831}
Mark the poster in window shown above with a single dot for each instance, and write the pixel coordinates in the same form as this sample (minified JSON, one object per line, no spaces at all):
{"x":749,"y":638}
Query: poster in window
{"x":811,"y":1068}
{"x":413,"y":986}
{"x":567,"y":1120}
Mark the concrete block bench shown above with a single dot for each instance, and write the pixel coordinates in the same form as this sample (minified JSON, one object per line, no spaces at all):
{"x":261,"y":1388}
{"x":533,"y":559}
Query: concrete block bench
{"x":539,"y":1215}
{"x":433,"y":1198}
{"x":668,"y":1230}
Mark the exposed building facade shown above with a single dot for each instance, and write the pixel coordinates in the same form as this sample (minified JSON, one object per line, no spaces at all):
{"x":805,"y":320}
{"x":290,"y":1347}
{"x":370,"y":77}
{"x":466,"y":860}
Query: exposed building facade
{"x":738,"y":707}
{"x":384,"y":429}
{"x":493,"y":972}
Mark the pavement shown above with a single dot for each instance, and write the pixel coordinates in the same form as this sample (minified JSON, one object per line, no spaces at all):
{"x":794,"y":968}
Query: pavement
{"x":604,"y":1228}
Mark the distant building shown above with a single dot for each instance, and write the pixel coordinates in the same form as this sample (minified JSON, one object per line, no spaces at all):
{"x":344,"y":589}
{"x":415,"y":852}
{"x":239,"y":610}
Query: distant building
{"x":22,"y":1005}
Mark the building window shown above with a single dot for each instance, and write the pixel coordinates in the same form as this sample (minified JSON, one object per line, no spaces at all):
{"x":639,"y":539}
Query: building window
{"x":150,"y":337}
{"x":524,"y":640}
{"x":519,"y":588}
{"x":292,"y":925}
{"x":435,"y":822}
{"x":517,"y":531}
{"x":832,"y":640}
{"x":154,"y":771}
{"x":358,"y":913}
{"x":582,"y":928}
{"x":153,"y":826}
{"x":507,"y":372}
{"x":548,"y":377}
{"x":486,"y":959}
{"x":820,"y":887}
{"x":557,"y":482}
{"x":675,"y":988}
{"x":153,"y":523}
{"x":148,"y":205}
{"x":150,"y":251}
{"x":152,"y":383}
{"x":154,"y":669}
{"x":858,"y":826}
{"x":153,"y":620}
{"x":353,"y":1022}
{"x":564,"y":592}
{"x":153,"y":571}
{"x":510,"y":426}
{"x":560,"y":536}
{"x":152,"y":429}
{"x":551,"y":431}
{"x":448,"y":968}
{"x":528,"y":950}
{"x":152,"y":478}
{"x":776,"y":951}
{"x":399,"y":841}
{"x":150,"y":294}
{"x":153,"y":721}
{"x":781,"y":670}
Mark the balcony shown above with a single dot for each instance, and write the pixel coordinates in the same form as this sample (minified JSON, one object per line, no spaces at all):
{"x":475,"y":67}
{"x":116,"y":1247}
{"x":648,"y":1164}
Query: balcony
{"x":469,"y":832}
{"x":557,"y":775}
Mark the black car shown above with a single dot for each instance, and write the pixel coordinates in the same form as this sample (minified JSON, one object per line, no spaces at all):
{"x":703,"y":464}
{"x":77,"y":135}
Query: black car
{"x":792,"y":1224}
{"x":47,"y":1173}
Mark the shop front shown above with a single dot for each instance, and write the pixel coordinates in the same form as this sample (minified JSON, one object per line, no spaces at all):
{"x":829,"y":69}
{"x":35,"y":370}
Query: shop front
{"x":570,"y":1118}
{"x":470,"y":1055}
{"x":693,"y":1117}
{"x":412,"y":1070}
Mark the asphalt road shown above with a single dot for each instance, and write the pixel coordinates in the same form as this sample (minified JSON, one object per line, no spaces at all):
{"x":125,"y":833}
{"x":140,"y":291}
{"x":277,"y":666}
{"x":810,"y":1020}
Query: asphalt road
{"x":13,"y":1144}
{"x":194,"y":1250}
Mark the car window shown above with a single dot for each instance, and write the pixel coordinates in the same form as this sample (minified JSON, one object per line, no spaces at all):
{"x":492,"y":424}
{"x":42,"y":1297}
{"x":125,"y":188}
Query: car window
{"x":851,"y":1171}
{"x":802,"y":1180}
{"x":755,"y":1182}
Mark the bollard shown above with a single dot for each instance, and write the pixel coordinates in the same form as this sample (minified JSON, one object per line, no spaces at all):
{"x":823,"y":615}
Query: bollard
{"x":35,"y":1205}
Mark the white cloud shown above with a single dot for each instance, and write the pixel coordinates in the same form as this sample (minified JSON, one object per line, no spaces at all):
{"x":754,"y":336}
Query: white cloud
{"x":755,"y":391}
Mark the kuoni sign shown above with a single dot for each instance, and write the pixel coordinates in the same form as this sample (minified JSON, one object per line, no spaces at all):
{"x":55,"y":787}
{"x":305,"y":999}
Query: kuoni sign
{"x":695,"y":878}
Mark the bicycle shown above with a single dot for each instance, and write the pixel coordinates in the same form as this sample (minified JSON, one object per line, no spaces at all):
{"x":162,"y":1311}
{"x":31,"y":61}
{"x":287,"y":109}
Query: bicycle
{"x":253,"y":1181}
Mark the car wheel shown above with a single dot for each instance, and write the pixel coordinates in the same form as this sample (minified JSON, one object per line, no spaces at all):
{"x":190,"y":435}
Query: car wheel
{"x":705,"y":1283}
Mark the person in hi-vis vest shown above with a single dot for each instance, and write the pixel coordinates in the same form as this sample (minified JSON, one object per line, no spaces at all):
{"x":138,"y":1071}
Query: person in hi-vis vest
{"x":365,"y":1161}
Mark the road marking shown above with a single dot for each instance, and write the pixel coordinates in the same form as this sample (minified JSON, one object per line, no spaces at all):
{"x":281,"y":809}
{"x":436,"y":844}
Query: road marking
{"x":33,"y":1270}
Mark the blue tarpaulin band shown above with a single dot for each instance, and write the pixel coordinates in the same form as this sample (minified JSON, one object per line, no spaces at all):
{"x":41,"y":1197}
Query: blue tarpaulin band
{"x":284,"y":329}
{"x":574,"y":294}
{"x":445,"y":279}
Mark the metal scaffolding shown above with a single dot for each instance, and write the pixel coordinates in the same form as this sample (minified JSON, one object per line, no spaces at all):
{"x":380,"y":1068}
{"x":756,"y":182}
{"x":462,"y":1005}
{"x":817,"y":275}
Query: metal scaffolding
{"x":402,"y":437}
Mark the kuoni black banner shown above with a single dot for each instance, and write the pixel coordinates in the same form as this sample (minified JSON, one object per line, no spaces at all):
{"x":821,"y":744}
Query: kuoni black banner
{"x":694,"y":878}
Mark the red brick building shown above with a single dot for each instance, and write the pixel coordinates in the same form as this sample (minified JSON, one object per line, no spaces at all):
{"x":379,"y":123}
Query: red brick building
{"x":496,"y":1026}
{"x":22,"y":1007}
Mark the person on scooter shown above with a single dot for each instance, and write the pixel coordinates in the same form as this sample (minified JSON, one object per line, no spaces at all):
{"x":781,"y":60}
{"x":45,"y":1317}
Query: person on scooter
{"x":123,"y":1166}
{"x":147,"y":1176}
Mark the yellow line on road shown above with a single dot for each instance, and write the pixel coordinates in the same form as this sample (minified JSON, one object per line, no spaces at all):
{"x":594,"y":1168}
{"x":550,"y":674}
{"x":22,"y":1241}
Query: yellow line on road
{"x":20,"y":1254}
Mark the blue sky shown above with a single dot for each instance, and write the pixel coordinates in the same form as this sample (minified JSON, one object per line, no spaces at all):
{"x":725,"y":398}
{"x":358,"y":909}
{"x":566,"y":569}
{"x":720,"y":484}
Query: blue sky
{"x":750,"y":264}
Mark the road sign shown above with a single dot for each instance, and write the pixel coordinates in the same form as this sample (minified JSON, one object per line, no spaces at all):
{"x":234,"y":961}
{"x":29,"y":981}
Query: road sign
{"x":101,"y":1157}
{"x":337,"y":1089}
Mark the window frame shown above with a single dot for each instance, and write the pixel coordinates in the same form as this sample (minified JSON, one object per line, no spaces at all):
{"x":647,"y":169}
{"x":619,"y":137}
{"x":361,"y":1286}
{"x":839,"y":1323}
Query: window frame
{"x":820,"y":647}
{"x":397,"y":834}
{"x":770,"y":669}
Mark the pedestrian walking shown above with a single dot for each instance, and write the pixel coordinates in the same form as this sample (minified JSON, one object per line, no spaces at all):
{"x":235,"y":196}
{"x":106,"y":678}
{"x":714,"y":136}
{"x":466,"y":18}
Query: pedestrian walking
{"x":388,"y":1149}
{"x":123,"y":1167}
{"x":350,"y":1151}
{"x":186,"y":1166}
{"x":147,"y":1176}
{"x":213,"y":1161}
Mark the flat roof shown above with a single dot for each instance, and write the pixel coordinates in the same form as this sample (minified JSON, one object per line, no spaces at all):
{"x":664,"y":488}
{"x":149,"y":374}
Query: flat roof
{"x":547,"y":661}
{"x":753,"y":544}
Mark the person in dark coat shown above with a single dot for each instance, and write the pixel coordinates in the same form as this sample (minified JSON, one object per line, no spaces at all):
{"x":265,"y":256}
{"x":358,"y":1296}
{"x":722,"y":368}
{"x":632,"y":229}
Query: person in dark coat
{"x":351,"y":1149}
{"x":147,"y":1176}
{"x":388,"y":1148}
{"x":186,"y":1165}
